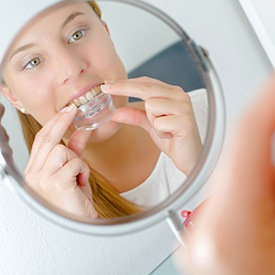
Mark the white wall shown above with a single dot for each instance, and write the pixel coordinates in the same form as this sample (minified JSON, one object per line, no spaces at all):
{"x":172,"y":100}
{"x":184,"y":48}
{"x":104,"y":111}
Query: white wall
{"x":32,"y":245}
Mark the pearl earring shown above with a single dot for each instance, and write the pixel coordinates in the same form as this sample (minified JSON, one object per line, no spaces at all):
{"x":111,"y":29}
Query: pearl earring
{"x":23,"y":110}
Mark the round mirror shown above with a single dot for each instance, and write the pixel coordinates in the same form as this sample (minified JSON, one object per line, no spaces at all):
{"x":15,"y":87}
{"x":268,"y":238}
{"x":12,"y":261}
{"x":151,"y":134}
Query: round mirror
{"x":113,"y":112}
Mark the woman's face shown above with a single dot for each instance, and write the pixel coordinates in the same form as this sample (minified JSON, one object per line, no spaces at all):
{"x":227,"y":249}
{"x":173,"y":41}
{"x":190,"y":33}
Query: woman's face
{"x":60,"y":57}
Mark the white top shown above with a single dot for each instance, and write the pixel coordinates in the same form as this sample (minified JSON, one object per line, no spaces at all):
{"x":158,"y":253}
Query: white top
{"x":166,"y":178}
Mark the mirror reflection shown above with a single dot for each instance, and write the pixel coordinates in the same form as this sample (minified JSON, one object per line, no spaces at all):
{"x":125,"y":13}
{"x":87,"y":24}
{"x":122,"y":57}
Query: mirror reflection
{"x":132,"y":90}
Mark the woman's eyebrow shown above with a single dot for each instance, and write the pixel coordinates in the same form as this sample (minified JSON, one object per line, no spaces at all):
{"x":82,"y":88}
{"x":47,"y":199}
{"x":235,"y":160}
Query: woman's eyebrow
{"x":23,"y":48}
{"x":71,"y":17}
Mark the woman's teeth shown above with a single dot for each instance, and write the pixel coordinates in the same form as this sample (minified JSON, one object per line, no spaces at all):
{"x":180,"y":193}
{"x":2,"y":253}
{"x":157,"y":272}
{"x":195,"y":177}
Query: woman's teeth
{"x":87,"y":97}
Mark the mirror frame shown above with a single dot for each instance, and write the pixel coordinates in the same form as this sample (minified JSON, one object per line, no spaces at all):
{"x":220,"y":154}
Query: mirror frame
{"x":167,"y":210}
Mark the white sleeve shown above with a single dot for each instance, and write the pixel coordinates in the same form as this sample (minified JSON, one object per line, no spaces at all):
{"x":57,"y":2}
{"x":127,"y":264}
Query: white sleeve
{"x":201,"y":108}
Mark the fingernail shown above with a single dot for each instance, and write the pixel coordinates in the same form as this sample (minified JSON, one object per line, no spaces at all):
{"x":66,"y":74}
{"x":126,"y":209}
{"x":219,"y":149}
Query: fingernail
{"x":107,"y":84}
{"x":106,"y":87}
{"x":68,"y":109}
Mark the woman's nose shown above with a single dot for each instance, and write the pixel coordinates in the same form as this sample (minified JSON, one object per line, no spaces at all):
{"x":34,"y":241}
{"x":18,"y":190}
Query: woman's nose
{"x":69,"y":67}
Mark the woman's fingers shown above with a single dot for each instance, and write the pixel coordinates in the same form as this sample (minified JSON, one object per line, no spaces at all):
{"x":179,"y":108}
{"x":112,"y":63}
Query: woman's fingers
{"x":56,"y":172}
{"x":177,"y":126}
{"x":64,"y":166}
{"x":165,"y":116}
{"x":160,"y":99}
{"x":78,"y":140}
{"x":163,"y":106}
{"x":149,"y":80}
{"x":49,"y":136}
{"x":74,"y":172}
{"x":57,"y":158}
{"x":132,"y":116}
{"x":168,"y":117}
{"x":139,"y":118}
{"x":143,"y":88}
{"x":46,"y":129}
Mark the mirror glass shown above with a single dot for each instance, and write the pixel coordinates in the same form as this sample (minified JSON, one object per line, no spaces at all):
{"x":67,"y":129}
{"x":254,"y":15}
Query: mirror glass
{"x":162,"y":106}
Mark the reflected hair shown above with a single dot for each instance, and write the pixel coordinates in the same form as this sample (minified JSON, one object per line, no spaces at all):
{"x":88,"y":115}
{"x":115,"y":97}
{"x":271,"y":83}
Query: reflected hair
{"x":107,"y":201}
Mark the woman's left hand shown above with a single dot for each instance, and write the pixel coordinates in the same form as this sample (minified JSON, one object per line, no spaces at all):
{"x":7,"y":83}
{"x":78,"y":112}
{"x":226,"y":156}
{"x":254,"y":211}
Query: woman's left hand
{"x":168,"y":117}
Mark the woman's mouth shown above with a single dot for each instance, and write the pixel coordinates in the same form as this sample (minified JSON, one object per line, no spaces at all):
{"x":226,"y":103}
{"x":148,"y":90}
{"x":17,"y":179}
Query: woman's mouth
{"x":89,"y":96}
{"x":94,"y":109}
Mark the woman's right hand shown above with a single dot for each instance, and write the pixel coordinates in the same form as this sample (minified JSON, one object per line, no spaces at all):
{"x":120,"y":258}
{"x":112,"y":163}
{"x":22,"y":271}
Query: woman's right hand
{"x":234,"y":232}
{"x":56,"y":172}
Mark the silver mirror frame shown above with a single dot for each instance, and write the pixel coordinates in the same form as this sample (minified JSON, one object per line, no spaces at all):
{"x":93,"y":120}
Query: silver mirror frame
{"x":167,"y":210}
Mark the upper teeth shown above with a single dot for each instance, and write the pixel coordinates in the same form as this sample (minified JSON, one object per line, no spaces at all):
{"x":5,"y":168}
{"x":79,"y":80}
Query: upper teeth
{"x":87,"y":97}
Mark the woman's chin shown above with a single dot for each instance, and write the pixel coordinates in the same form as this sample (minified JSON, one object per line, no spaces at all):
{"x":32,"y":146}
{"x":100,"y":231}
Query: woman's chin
{"x":105,"y":132}
{"x":100,"y":134}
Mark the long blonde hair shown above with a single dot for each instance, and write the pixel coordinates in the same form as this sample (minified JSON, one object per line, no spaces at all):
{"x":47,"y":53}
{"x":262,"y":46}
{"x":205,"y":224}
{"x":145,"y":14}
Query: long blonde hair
{"x":107,"y":202}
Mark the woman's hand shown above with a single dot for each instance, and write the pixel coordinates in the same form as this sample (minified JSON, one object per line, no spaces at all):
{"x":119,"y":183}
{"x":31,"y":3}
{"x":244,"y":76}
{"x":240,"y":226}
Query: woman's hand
{"x":168,"y":117}
{"x":4,"y":138}
{"x":56,"y":172}
{"x":234,"y":231}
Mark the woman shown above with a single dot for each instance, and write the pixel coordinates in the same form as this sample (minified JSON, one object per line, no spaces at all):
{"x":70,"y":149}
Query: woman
{"x":233,"y":232}
{"x":65,"y":54}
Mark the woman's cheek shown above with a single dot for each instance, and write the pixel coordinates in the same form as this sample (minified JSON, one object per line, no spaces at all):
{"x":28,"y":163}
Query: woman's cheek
{"x":42,"y":116}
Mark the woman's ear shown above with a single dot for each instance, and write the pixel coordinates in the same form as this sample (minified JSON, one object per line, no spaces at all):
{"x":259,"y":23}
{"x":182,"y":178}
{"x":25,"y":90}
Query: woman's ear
{"x":12,"y":98}
{"x":106,"y":26}
{"x":107,"y":29}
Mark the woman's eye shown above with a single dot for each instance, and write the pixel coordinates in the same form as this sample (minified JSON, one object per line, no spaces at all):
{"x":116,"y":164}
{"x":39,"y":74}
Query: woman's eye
{"x":32,"y":63}
{"x":76,"y":36}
